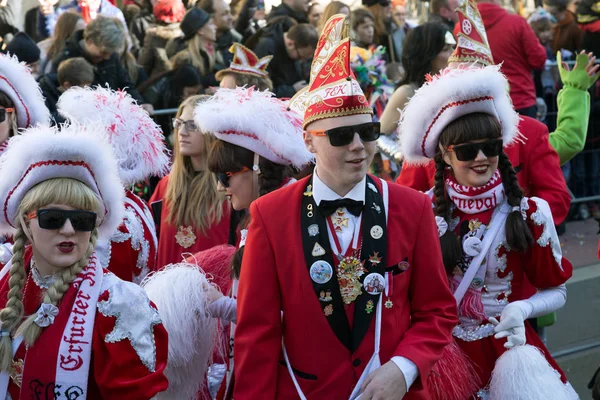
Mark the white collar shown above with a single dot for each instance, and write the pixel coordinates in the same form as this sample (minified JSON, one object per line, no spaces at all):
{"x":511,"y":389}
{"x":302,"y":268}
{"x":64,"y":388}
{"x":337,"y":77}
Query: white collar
{"x":322,"y":192}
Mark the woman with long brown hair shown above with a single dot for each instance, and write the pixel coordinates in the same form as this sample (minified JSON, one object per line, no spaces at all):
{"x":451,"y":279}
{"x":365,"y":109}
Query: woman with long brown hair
{"x":66,"y":25}
{"x":190,"y":214}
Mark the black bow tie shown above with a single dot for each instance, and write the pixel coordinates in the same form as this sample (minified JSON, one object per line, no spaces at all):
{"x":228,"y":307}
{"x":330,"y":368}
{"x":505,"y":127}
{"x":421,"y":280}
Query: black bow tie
{"x":329,"y":206}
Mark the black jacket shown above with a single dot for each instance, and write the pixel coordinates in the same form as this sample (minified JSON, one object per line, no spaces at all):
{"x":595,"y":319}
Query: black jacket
{"x":49,"y":85}
{"x":224,"y":42}
{"x":284,"y":71}
{"x":283,"y":10}
{"x":109,"y":72}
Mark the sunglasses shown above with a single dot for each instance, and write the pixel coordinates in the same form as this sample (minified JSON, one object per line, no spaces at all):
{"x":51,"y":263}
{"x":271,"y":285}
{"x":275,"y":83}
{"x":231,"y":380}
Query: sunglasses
{"x":223,"y":177}
{"x":344,"y":135}
{"x":190,"y":125}
{"x":469,"y":151}
{"x":82,"y":221}
{"x":3,"y":112}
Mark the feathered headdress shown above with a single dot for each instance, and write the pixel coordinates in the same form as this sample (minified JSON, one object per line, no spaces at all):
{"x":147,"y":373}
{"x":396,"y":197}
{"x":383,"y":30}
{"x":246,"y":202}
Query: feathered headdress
{"x":137,"y":141}
{"x":256,"y":121}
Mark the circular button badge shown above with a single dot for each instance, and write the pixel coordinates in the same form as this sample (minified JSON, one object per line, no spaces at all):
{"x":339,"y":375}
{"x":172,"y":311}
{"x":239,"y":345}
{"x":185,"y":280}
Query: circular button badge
{"x":374,"y":283}
{"x":321,"y":272}
{"x":376,"y":232}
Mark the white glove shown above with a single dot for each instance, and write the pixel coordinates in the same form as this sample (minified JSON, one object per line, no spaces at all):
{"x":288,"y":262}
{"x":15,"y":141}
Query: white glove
{"x":512,"y":323}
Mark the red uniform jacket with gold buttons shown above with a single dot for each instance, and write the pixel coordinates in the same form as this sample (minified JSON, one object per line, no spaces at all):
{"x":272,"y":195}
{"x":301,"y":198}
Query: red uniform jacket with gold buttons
{"x":275,"y":279}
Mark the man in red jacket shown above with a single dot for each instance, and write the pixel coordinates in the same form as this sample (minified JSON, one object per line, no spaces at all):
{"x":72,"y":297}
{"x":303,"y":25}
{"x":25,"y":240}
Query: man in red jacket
{"x":535,"y":161}
{"x":341,"y":267}
{"x":513,"y":44}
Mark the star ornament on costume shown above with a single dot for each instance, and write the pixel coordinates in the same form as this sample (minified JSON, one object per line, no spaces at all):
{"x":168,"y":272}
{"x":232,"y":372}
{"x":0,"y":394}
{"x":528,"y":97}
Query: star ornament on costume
{"x":135,"y":320}
{"x":375,"y":259}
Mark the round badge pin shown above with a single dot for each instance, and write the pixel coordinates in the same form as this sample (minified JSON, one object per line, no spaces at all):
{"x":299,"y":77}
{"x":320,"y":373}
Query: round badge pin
{"x":376,"y":232}
{"x":472,"y":246}
{"x":321,"y":272}
{"x":374,"y":283}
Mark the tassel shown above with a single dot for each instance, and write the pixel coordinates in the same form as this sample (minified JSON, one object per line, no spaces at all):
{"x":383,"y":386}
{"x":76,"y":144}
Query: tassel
{"x":523,"y":373}
{"x":453,"y":376}
{"x":471,"y":305}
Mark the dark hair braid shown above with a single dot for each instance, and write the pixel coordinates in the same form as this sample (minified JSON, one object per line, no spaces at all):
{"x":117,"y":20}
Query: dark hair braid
{"x":518,"y":235}
{"x":452,"y":250}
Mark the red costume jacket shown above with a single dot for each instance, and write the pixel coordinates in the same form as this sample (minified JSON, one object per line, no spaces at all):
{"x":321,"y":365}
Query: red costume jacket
{"x":133,"y":247}
{"x":275,"y":279}
{"x":536,"y":163}
{"x":117,"y":370}
{"x":173,"y":241}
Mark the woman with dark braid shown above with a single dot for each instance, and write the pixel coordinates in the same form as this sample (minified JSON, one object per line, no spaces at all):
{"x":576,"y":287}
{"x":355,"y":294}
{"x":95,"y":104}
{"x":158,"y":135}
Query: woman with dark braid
{"x":500,"y":249}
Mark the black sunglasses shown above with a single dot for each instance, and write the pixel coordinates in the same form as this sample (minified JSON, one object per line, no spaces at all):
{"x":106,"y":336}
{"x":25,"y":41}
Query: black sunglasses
{"x":223,"y":177}
{"x":469,"y":151}
{"x":3,"y":112}
{"x":344,"y":135}
{"x":82,"y":221}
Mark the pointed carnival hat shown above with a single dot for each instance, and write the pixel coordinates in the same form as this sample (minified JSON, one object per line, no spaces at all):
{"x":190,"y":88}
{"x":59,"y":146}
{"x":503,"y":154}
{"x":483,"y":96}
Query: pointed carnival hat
{"x":473,"y":44}
{"x":471,"y":86}
{"x":20,"y":86}
{"x":333,"y":90}
{"x":77,"y":152}
{"x":137,"y":141}
{"x":245,"y":62}
{"x":256,"y":121}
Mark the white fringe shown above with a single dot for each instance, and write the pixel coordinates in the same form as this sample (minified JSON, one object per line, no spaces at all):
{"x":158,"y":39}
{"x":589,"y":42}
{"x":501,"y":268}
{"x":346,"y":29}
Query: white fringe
{"x":523,"y":373}
{"x":177,"y":290}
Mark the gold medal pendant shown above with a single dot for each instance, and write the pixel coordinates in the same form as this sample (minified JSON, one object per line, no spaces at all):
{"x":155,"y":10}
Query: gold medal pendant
{"x":349,"y":271}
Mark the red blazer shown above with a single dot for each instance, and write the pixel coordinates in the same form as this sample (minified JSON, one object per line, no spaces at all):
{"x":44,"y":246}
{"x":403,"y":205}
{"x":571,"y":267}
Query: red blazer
{"x":275,"y":278}
{"x":536,"y":163}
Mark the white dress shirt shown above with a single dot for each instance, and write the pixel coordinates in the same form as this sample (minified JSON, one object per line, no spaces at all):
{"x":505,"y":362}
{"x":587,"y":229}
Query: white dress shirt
{"x":323,"y":192}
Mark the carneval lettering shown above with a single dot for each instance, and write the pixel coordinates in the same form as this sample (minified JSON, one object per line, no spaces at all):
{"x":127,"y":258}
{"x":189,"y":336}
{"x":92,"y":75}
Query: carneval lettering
{"x":485,"y":203}
{"x":73,"y":361}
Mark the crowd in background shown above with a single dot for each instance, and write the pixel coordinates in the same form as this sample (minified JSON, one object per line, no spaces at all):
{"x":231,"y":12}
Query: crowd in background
{"x":164,"y":51}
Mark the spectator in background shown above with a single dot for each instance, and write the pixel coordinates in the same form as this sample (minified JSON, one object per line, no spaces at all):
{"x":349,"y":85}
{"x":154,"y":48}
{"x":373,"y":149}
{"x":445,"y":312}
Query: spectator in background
{"x":226,"y":35}
{"x":588,"y":18}
{"x":72,"y":72}
{"x":246,"y":69}
{"x":444,"y":12}
{"x":101,"y":44}
{"x":333,"y":8}
{"x":566,"y":33}
{"x":287,"y":48}
{"x":315,"y":12}
{"x":26,"y":51}
{"x":427,"y":50}
{"x":399,"y":13}
{"x":140,"y":16}
{"x":387,"y":29}
{"x":363,"y":25}
{"x":32,"y":19}
{"x":68,"y":23}
{"x":89,"y":10}
{"x":10,"y":13}
{"x":200,"y":35}
{"x":514,"y":45}
{"x":296,"y":9}
{"x":153,"y":54}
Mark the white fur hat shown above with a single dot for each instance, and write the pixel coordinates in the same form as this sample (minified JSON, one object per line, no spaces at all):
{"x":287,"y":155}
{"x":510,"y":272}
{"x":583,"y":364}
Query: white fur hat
{"x":137,"y":141}
{"x":256,"y":121}
{"x":19,"y":85}
{"x":448,"y":96}
{"x":43,"y":153}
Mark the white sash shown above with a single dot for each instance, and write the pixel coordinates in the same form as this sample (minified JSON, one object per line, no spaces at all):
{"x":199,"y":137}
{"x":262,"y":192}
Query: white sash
{"x":497,"y":222}
{"x":375,"y":361}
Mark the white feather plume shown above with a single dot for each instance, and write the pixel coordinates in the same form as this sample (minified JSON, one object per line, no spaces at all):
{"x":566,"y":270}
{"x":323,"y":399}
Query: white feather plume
{"x":256,"y":121}
{"x":523,"y":373}
{"x":451,"y":86}
{"x":137,"y":141}
{"x":177,"y":290}
{"x":20,"y":86}
{"x":40,"y":144}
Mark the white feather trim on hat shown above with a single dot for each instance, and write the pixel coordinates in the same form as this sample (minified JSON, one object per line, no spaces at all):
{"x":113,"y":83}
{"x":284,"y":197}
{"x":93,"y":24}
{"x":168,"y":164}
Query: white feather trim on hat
{"x":256,"y":121}
{"x":137,"y":141}
{"x":43,"y":153}
{"x":448,"y":96}
{"x":20,"y":86}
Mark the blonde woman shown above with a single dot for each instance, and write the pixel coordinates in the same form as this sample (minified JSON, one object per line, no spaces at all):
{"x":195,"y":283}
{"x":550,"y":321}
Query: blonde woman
{"x":333,"y":8}
{"x":69,"y":327}
{"x":190,"y":215}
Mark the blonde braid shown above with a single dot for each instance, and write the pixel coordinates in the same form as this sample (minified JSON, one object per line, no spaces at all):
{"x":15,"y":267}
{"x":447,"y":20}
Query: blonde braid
{"x":12,"y":313}
{"x":29,"y":329}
